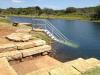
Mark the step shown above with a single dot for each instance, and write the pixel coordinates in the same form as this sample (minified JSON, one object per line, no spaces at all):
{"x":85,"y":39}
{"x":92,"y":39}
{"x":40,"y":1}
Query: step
{"x":23,"y":30}
{"x":5,"y":68}
{"x":11,"y":55}
{"x":35,"y":50}
{"x":18,"y":54}
{"x":64,"y":70}
{"x":24,"y":45}
{"x":38,"y":73}
{"x":93,"y":62}
{"x":79,"y":64}
{"x":56,"y":70}
{"x":30,"y":44}
{"x":7,"y":47}
{"x":39,"y":42}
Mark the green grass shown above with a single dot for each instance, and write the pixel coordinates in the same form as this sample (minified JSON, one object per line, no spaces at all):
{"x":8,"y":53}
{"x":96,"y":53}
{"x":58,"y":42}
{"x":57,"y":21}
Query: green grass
{"x":4,"y":20}
{"x":95,"y":71}
{"x":68,"y":16}
{"x":42,"y":35}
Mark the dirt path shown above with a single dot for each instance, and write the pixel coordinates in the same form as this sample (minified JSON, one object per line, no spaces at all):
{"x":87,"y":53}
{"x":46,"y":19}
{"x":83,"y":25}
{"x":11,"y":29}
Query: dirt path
{"x":4,"y":31}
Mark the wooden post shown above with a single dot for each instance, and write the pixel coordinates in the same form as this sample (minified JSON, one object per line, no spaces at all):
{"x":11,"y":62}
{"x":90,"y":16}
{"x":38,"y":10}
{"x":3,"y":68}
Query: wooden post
{"x":15,"y":24}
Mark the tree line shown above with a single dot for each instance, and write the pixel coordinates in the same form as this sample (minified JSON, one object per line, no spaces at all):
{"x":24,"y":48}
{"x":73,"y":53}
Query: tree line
{"x":92,"y":12}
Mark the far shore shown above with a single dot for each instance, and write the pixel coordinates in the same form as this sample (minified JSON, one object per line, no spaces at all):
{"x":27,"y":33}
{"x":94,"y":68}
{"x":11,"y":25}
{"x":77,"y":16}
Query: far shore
{"x":80,"y":18}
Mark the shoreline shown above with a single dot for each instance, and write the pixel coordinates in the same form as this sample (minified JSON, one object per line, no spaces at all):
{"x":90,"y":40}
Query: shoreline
{"x":50,"y":17}
{"x":58,"y":17}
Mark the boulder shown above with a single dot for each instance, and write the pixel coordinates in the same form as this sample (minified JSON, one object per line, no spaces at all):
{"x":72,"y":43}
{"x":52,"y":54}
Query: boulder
{"x":19,"y":37}
{"x":11,"y":55}
{"x":5,"y":68}
{"x":35,"y":50}
{"x":7,"y":47}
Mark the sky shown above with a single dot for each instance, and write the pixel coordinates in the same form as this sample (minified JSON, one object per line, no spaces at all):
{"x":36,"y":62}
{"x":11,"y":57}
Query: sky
{"x":54,"y":4}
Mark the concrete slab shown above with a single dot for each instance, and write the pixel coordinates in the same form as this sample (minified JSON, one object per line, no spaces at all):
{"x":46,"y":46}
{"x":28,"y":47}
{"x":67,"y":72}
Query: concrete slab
{"x":93,"y":62}
{"x":79,"y":64}
{"x":35,"y":64}
{"x":5,"y":68}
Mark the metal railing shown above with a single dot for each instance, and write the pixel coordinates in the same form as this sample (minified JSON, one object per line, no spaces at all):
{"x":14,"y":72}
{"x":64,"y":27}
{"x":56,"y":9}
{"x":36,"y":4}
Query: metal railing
{"x":52,"y":31}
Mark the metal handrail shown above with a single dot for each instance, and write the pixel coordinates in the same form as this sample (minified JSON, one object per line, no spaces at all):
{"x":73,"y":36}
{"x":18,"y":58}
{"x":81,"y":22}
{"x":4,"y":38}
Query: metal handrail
{"x":56,"y":33}
{"x":56,"y":30}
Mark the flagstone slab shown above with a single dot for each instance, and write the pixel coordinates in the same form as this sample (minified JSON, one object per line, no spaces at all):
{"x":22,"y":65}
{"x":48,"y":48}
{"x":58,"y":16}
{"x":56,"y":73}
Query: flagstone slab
{"x":7,"y":47}
{"x":11,"y":55}
{"x":35,"y":50}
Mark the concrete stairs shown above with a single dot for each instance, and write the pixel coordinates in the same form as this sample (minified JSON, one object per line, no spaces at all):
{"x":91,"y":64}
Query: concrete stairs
{"x":82,"y":65}
{"x":75,"y":67}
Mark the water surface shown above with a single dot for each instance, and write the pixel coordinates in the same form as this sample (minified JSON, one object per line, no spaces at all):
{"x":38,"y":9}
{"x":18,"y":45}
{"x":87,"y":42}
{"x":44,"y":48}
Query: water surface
{"x":86,"y":34}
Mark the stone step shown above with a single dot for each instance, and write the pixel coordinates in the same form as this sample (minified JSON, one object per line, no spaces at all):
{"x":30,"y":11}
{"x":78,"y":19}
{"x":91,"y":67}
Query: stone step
{"x":64,"y":70}
{"x":35,"y":50}
{"x":79,"y":64}
{"x":19,"y":37}
{"x":11,"y":55}
{"x":21,"y":45}
{"x":18,"y":54}
{"x":39,"y":72}
{"x":30,"y":44}
{"x":7,"y":47}
{"x":56,"y":70}
{"x":93,"y":62}
{"x":23,"y":30}
{"x":5,"y":68}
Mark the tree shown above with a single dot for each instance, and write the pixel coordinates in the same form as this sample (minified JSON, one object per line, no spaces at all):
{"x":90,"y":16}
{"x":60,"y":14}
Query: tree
{"x":37,"y":10}
{"x":71,"y":10}
{"x":96,"y":16}
{"x":48,"y":11}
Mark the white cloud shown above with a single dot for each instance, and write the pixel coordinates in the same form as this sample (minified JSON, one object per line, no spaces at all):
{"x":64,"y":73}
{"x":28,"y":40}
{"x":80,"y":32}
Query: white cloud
{"x":17,"y":1}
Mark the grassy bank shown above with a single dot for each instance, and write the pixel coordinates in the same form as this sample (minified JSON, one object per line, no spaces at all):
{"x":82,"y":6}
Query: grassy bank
{"x":95,"y":71}
{"x":4,"y":20}
{"x":69,"y":16}
{"x":65,"y":17}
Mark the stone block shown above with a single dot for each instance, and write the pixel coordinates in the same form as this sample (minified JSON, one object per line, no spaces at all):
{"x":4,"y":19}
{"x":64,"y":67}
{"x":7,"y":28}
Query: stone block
{"x":24,"y":45}
{"x":7,"y":47}
{"x":11,"y":55}
{"x":35,"y":50}
{"x":39,"y":42}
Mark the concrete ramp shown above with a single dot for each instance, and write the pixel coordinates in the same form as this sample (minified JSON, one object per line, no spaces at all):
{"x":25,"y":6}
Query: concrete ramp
{"x":79,"y":64}
{"x":93,"y":62}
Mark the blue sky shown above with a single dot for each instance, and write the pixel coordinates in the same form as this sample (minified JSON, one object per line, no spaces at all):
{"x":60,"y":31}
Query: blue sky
{"x":55,"y":4}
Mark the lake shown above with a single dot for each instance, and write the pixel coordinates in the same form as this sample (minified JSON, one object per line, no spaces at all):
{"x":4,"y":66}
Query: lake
{"x":85,"y":34}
